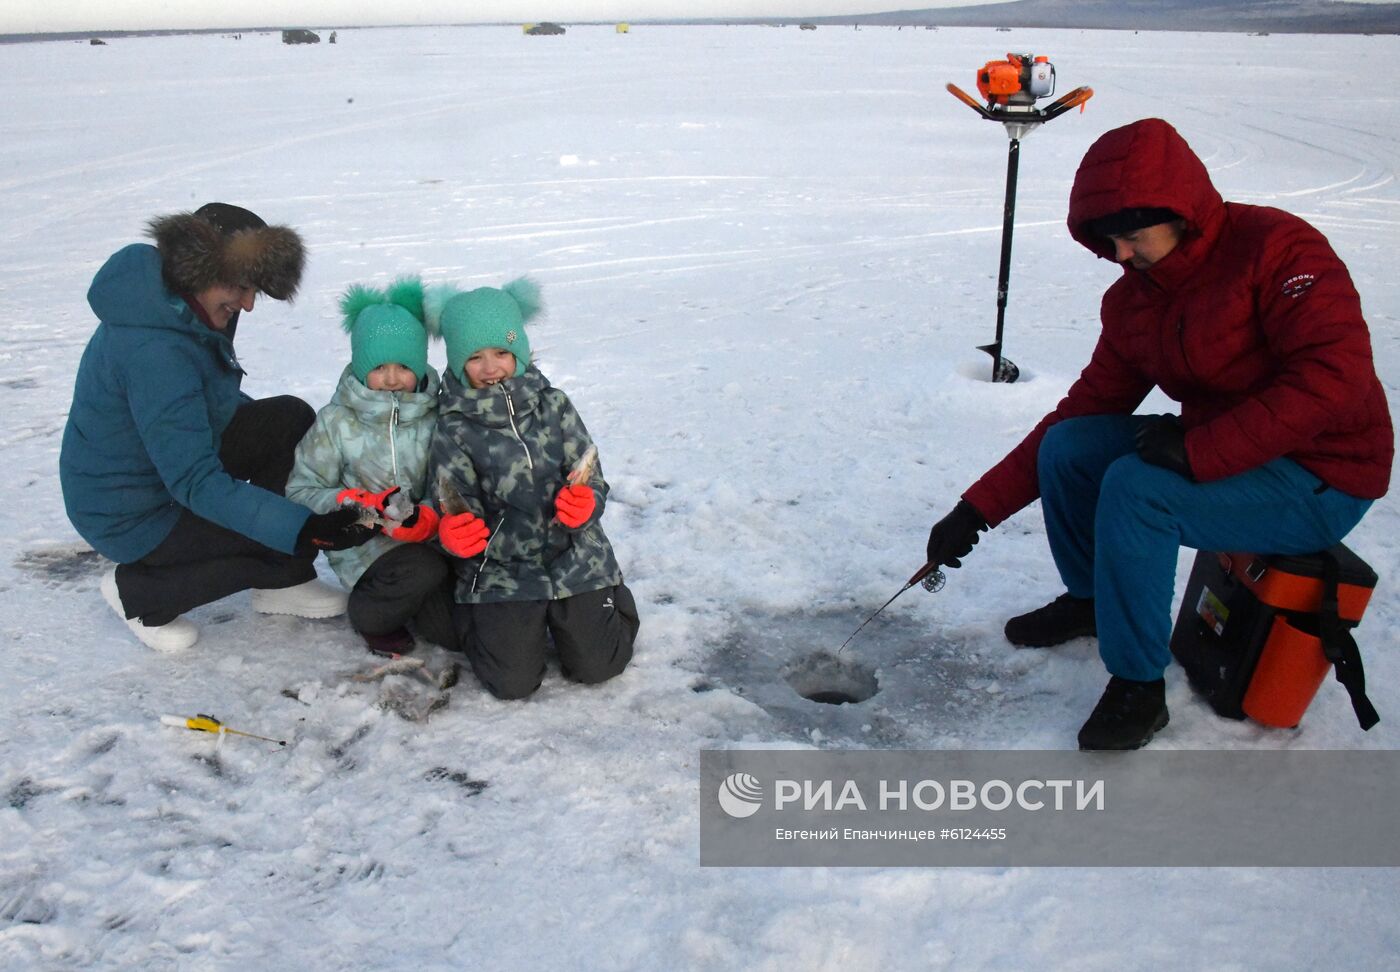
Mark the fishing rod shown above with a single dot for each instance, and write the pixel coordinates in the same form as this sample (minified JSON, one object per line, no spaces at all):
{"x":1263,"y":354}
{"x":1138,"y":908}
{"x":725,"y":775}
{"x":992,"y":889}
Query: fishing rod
{"x":933,"y":580}
{"x":207,"y":723}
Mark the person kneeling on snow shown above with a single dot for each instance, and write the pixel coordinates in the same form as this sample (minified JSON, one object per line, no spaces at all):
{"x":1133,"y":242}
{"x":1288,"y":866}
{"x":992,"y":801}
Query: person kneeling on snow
{"x":521,"y":499}
{"x":370,"y":446}
{"x":1244,"y":315}
{"x":166,"y":467}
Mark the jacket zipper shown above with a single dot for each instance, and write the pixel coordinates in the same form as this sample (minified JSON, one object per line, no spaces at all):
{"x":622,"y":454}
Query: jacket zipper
{"x":485,"y":550}
{"x":393,"y":445}
{"x":1181,"y":343}
{"x":510,"y":414}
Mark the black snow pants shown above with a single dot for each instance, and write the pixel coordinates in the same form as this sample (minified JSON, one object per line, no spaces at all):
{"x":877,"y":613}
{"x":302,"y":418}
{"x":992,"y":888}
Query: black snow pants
{"x":507,"y":642}
{"x":199,"y":561}
{"x":410,"y":583}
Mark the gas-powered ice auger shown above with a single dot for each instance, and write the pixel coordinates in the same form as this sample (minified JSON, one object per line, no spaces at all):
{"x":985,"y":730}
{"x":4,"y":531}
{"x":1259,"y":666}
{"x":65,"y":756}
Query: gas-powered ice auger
{"x":1012,"y":87}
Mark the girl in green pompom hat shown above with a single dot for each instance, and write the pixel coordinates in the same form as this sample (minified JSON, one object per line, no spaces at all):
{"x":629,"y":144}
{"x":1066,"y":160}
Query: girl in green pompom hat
{"x":484,"y":329}
{"x":369,"y":447}
{"x":516,"y":477}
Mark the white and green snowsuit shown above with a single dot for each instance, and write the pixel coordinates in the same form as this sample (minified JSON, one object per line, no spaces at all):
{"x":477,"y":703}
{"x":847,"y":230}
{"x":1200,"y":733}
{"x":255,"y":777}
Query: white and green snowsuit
{"x":369,"y":440}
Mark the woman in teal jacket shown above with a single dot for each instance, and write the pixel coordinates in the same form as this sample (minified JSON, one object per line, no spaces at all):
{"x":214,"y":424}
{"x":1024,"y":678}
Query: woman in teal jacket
{"x":166,"y":467}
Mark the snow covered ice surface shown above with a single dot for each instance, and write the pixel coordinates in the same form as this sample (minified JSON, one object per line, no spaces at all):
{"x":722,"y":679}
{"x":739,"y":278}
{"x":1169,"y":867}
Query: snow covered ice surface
{"x":768,"y":257}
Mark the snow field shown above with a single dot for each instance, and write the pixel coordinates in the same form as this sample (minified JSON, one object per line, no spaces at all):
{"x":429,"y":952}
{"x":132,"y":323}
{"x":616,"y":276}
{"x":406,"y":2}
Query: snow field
{"x":767,"y":258}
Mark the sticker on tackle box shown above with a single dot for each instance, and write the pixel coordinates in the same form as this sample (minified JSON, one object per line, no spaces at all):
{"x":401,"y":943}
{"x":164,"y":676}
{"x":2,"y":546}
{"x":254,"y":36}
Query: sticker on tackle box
{"x":1212,"y":611}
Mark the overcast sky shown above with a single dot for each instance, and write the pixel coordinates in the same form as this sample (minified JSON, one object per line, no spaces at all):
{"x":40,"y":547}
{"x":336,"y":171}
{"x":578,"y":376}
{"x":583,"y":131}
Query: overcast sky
{"x":27,"y":16}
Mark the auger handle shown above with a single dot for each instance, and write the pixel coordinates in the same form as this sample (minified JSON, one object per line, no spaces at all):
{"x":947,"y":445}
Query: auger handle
{"x":1055,"y":109}
{"x":970,"y":101}
{"x":1073,"y":99}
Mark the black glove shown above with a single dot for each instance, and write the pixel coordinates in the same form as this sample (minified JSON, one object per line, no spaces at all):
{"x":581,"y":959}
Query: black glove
{"x":337,"y":530}
{"x":1161,"y":441}
{"x":954,"y":536}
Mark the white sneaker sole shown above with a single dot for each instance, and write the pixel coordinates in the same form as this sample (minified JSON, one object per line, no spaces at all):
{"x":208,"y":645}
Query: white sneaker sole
{"x":170,"y":638}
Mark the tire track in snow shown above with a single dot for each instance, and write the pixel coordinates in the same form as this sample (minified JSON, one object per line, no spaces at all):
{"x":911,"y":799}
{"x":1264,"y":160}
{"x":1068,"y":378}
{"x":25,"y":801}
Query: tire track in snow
{"x":767,"y":255}
{"x":387,"y":116}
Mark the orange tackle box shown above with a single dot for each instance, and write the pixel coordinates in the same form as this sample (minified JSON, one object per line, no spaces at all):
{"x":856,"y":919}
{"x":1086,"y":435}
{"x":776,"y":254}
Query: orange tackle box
{"x":1258,"y":633}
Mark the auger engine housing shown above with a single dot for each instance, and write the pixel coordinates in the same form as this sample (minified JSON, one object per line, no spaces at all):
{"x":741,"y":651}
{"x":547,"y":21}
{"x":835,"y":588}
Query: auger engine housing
{"x":1021,"y":79}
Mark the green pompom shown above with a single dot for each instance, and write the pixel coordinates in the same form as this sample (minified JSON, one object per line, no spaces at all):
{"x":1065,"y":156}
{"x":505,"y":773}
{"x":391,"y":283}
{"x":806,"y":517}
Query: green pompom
{"x":525,"y":292}
{"x":407,"y":292}
{"x":435,"y":297}
{"x":355,"y":299}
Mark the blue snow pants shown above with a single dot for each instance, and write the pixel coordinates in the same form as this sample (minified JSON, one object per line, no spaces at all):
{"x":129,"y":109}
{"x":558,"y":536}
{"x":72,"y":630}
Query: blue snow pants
{"x":1115,"y":524}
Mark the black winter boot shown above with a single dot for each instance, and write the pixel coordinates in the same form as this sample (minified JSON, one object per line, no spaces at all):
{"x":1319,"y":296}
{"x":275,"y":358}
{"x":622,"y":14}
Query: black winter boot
{"x":1064,"y":618}
{"x":1127,"y":715}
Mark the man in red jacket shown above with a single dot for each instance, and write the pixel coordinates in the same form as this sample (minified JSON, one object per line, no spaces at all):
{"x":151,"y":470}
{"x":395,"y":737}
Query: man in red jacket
{"x":1244,"y":315}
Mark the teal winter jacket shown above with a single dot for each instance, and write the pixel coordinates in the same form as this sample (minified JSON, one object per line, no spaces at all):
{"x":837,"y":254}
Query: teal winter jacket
{"x":155,"y":391}
{"x":364,"y":439}
{"x":507,"y":450}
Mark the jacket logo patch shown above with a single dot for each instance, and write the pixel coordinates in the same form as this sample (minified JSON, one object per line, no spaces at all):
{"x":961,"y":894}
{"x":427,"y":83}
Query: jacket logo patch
{"x":1298,"y":284}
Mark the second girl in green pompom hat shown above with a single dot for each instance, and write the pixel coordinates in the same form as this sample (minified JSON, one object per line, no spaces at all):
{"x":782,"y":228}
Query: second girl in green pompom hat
{"x":516,"y":477}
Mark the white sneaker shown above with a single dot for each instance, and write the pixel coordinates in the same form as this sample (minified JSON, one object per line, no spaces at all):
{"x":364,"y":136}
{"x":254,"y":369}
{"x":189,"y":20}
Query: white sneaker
{"x":175,"y":636}
{"x":310,"y":600}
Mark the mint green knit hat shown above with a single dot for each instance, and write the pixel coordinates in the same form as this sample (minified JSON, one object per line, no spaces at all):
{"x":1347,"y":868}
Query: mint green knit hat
{"x":386,"y":327}
{"x":486,"y":317}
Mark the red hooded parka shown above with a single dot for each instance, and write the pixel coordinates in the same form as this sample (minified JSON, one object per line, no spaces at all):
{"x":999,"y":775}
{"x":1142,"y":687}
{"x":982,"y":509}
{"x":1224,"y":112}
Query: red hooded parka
{"x":1251,"y":323}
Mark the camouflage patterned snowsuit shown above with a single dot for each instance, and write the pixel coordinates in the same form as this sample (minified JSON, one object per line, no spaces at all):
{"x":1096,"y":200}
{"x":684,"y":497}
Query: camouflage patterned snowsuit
{"x":507,"y":450}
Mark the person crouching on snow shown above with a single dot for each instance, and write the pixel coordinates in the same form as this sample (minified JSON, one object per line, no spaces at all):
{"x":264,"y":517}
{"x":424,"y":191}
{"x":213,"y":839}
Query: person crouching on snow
{"x":167,"y":468}
{"x":369,"y":446}
{"x":521,"y":499}
{"x":1247,"y":317}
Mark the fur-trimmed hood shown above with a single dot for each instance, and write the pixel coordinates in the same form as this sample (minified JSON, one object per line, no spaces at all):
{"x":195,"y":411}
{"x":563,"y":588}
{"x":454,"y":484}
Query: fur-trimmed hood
{"x":196,"y":255}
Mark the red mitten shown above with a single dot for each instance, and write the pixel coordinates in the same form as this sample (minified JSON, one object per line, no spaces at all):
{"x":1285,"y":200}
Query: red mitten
{"x":463,"y":534}
{"x":422,"y":525}
{"x":363,"y":497}
{"x":360,"y":497}
{"x":574,"y":505}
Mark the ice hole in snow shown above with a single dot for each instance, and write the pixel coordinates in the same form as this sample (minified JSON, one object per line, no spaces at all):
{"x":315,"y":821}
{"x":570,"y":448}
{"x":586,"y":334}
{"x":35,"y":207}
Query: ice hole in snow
{"x":830,"y":680}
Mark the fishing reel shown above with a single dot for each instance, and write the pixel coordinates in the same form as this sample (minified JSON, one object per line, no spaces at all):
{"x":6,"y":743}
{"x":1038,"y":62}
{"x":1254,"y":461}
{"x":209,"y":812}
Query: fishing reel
{"x":1021,"y":79}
